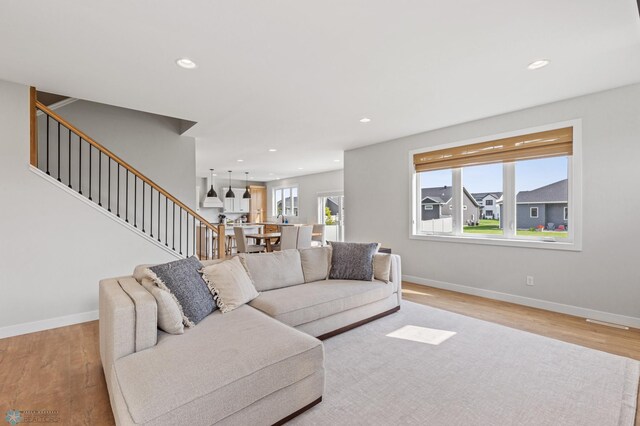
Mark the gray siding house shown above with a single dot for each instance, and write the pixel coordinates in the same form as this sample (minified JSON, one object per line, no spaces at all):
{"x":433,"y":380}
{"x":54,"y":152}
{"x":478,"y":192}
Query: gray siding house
{"x":436,"y":204}
{"x":547,"y":206}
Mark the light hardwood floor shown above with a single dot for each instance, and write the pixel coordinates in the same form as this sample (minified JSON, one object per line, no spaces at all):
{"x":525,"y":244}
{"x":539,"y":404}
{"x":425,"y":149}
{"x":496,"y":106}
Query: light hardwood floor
{"x":60,"y":369}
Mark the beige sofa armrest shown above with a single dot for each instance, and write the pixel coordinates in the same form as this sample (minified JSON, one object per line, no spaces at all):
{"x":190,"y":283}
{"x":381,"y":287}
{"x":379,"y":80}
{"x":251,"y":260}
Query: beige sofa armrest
{"x":396,"y":275}
{"x":128,"y":319}
{"x":146,"y":313}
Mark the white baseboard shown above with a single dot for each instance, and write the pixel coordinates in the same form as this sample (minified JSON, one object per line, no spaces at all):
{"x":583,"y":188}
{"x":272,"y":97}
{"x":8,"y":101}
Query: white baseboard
{"x":528,"y":301}
{"x":32,"y":327}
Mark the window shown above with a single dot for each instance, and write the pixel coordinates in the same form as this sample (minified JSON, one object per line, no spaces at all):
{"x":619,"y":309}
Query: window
{"x":285,"y":201}
{"x":477,"y":181}
{"x":435,"y":193}
{"x":527,"y":180}
{"x":541,"y":194}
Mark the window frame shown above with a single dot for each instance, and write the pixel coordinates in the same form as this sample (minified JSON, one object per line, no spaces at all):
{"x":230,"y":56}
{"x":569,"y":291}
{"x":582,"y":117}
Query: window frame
{"x":574,"y":173}
{"x":488,"y":202}
{"x":531,"y":212}
{"x":274,"y":206}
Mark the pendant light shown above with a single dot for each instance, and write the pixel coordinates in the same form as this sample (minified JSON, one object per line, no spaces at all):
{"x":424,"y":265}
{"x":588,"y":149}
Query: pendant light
{"x":230,"y":193}
{"x":246,"y":194}
{"x":212,"y":192}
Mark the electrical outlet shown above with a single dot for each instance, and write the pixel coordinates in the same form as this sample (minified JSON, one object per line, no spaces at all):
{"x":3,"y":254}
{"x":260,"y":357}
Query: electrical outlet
{"x":529,"y":280}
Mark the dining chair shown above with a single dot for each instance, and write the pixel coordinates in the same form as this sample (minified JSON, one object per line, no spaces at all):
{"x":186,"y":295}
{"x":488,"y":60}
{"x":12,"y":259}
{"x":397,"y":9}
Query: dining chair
{"x":320,"y":240}
{"x":304,"y":236}
{"x":288,"y":238}
{"x":242,"y":243}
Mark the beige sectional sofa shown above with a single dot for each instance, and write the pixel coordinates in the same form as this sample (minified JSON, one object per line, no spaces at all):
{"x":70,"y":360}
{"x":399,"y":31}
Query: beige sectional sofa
{"x":259,"y":364}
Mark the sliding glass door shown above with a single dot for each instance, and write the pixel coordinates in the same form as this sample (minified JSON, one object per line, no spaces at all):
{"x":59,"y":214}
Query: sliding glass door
{"x":331,"y":214}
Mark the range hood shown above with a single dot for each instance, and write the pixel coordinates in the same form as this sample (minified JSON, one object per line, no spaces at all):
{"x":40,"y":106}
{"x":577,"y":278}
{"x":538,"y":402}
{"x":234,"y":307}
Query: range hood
{"x":211,"y":199}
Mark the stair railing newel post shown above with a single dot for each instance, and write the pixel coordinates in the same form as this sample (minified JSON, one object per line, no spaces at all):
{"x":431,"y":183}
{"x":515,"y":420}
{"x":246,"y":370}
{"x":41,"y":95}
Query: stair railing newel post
{"x":200,"y":230}
{"x":59,"y":166}
{"x":69,"y":159}
{"x":100,"y":178}
{"x":33,"y":122}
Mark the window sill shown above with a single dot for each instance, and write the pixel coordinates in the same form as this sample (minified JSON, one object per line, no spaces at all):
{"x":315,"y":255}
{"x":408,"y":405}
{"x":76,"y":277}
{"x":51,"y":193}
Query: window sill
{"x":497,"y":241}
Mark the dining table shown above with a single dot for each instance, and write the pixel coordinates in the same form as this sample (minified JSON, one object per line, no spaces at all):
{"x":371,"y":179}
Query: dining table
{"x":269,"y":236}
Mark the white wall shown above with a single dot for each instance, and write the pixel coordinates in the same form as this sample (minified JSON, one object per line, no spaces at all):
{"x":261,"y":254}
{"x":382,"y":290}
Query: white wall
{"x":148,"y":142}
{"x":54,"y":248}
{"x":602,"y":277}
{"x":309,"y":188}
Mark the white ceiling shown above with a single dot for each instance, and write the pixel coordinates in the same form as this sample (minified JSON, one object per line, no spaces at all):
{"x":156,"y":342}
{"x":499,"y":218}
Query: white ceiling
{"x":298,"y":75}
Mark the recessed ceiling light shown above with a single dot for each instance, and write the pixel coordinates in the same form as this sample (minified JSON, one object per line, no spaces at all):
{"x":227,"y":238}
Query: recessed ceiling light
{"x":272,"y":150}
{"x":365,"y":120}
{"x":239,"y":161}
{"x":251,"y":177}
{"x":186,"y":63}
{"x":336,"y":161}
{"x":270,"y":174}
{"x":300,"y":168}
{"x":538,"y":64}
{"x":277,"y":178}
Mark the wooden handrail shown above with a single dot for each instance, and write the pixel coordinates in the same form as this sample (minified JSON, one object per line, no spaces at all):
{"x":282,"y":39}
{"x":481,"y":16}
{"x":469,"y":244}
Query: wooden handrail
{"x":108,"y":153}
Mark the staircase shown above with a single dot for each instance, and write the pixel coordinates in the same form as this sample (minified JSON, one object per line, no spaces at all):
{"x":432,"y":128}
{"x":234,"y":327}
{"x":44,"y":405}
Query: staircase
{"x":72,"y":158}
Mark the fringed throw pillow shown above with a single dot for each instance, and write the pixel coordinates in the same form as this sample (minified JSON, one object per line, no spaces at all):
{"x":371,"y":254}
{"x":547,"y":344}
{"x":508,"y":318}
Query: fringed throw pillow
{"x":182,"y":279}
{"x":230,"y":284}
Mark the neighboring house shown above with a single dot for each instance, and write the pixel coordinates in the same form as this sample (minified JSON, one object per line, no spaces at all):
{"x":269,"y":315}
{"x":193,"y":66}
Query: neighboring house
{"x":333,"y":206}
{"x":543,"y":206}
{"x":436,"y":204}
{"x":488,"y":202}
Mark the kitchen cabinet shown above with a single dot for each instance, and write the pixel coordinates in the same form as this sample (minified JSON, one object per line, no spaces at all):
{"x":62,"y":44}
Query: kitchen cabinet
{"x":237,"y":204}
{"x":258,"y":205}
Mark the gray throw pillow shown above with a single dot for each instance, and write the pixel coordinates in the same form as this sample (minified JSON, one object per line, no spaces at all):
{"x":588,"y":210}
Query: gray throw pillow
{"x":182,"y":279}
{"x":352,"y":261}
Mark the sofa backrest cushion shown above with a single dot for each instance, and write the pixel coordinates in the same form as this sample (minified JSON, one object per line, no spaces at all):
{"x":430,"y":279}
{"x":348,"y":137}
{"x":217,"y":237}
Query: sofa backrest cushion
{"x":269,"y":271}
{"x":316,"y":263}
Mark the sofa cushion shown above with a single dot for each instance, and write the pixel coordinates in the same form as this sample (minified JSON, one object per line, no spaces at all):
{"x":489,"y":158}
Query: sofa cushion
{"x":308,"y":302}
{"x":229,"y":283}
{"x":219,"y":367}
{"x":352,"y":261}
{"x":183,"y":280}
{"x":269,"y":271}
{"x":382,"y":267}
{"x":316,"y":262}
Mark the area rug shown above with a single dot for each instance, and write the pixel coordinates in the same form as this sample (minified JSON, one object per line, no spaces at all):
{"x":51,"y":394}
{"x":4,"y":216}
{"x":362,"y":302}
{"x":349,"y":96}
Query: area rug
{"x":484,"y":374}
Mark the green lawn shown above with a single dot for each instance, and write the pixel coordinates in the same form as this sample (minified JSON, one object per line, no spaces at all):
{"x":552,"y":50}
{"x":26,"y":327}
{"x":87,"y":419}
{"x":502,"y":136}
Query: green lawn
{"x":491,"y":226}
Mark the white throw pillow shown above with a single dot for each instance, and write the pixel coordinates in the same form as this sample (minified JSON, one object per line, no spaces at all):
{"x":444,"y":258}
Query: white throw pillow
{"x":382,"y":267}
{"x":230,"y":284}
{"x":169,"y":314}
